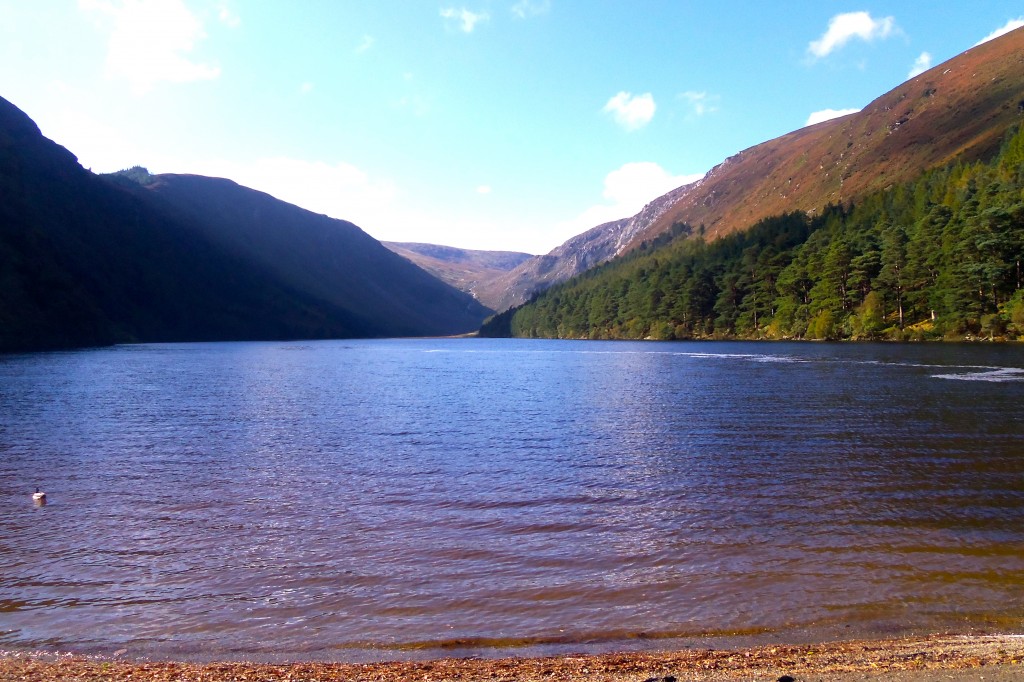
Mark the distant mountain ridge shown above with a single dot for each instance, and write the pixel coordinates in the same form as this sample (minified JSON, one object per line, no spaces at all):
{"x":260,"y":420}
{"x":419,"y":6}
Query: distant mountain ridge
{"x":956,"y":110}
{"x":90,"y":260}
{"x":464,"y":269}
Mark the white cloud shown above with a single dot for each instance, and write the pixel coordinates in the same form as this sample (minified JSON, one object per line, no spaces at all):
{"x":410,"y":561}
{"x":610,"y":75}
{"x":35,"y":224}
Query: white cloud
{"x":631,"y":112}
{"x":921,"y":64}
{"x":701,"y":102}
{"x":484,"y":189}
{"x":844,"y":27}
{"x":467,"y":20}
{"x":365,"y":44}
{"x":228,"y":17}
{"x":1010,"y":25}
{"x":149,"y":42}
{"x":627,"y":190}
{"x":531,"y":8}
{"x":828,"y":115}
{"x":339,"y":190}
{"x":635,"y":184}
{"x":306,"y":88}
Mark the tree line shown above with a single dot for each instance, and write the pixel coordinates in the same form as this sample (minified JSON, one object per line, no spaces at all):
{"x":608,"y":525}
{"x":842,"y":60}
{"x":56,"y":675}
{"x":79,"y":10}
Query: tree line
{"x":937,"y":258}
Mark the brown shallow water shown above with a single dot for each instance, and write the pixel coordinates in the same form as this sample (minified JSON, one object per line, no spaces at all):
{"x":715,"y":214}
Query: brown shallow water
{"x":419,"y":498}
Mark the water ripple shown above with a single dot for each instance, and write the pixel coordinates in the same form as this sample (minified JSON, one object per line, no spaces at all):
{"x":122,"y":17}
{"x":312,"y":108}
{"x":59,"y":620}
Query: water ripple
{"x":288,"y":500}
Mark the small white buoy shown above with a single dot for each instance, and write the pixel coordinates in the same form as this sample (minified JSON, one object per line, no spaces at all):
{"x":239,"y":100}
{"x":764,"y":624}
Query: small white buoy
{"x":39,"y":497}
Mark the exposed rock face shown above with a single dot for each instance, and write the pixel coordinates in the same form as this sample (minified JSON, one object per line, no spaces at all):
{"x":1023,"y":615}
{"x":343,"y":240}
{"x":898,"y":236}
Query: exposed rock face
{"x":582,"y":252}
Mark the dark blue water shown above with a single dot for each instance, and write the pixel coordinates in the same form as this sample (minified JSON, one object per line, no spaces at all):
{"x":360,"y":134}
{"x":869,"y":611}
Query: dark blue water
{"x":345,"y":500}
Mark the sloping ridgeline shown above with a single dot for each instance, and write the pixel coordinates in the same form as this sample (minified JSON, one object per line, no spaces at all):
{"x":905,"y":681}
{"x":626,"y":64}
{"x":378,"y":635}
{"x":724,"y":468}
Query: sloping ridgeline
{"x":86,"y":261}
{"x":331,"y":260}
{"x":957,"y":110}
{"x":937,"y":258}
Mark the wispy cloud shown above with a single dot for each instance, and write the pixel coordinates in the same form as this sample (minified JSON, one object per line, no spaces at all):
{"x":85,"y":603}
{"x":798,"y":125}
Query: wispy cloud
{"x":1010,"y":25}
{"x":828,"y":115}
{"x":465,"y":19}
{"x":700,"y":102}
{"x":842,"y":28}
{"x":365,"y":44}
{"x":525,"y":9}
{"x":306,"y":88}
{"x":484,"y":189}
{"x":631,"y":111}
{"x":921,"y":64}
{"x":150,"y":41}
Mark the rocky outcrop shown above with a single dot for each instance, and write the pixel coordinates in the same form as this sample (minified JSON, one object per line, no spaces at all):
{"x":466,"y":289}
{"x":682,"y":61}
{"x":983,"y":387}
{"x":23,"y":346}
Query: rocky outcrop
{"x":582,"y":252}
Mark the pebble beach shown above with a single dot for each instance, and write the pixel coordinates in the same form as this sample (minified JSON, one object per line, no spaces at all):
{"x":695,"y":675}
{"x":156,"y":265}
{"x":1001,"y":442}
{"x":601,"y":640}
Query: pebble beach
{"x":998,"y":658}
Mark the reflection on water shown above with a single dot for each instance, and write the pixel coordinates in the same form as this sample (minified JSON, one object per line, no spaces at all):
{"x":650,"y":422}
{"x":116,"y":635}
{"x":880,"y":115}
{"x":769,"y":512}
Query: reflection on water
{"x":322,"y":499}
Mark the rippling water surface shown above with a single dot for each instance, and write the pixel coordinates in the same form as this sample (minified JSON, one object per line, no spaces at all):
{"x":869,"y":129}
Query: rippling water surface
{"x":341,"y":500}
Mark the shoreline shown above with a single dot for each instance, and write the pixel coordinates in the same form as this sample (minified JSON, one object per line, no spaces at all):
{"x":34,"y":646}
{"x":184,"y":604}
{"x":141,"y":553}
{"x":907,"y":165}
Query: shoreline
{"x":916,"y":659}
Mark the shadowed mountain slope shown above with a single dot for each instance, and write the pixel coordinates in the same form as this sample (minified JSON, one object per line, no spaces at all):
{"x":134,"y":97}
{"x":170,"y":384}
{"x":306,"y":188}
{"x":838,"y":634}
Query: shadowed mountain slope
{"x":86,"y":260}
{"x":330,"y":259}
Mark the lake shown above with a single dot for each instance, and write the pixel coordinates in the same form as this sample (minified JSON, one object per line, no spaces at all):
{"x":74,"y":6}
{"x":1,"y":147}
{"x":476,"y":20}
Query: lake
{"x":354,"y":500}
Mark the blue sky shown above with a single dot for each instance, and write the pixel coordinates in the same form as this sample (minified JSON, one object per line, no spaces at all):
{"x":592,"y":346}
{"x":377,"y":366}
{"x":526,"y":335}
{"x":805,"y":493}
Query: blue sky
{"x":491,"y":124}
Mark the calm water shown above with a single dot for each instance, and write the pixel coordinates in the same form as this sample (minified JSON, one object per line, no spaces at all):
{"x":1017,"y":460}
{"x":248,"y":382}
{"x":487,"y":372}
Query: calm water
{"x":345,"y":500}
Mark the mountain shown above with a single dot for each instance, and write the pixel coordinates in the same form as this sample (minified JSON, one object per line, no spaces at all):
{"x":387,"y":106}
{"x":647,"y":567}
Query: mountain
{"x":577,"y":255}
{"x":904,"y":221}
{"x":332,"y":260}
{"x":955,"y":111}
{"x":86,"y":260}
{"x":465,"y":269}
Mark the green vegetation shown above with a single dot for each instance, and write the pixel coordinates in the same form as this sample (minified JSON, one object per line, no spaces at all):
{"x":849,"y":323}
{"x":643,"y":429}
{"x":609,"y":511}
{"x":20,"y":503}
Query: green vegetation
{"x":937,"y":258}
{"x":136,"y":174}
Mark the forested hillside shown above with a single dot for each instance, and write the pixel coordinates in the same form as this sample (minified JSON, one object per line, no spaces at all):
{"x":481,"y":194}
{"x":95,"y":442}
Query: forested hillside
{"x":940,"y":257}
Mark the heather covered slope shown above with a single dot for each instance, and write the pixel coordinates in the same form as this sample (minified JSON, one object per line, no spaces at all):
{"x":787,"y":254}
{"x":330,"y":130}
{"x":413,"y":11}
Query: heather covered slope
{"x":956,"y":111}
{"x":940,"y":257}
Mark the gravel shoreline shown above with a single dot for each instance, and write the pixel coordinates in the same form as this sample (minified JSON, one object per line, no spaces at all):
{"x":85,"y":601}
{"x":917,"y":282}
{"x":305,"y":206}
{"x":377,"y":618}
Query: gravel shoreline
{"x":996,"y":658}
